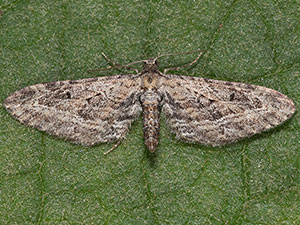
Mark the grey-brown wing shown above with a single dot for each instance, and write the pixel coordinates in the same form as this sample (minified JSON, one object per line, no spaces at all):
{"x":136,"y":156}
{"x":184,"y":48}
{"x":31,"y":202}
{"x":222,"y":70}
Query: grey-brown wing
{"x":213,"y":112}
{"x":86,"y":111}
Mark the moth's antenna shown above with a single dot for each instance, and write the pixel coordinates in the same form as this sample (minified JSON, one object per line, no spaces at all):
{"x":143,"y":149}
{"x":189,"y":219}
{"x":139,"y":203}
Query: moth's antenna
{"x":115,"y":65}
{"x":180,"y":53}
{"x":128,"y":66}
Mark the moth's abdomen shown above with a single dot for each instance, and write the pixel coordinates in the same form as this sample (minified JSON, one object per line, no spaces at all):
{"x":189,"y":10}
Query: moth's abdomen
{"x":151,"y":117}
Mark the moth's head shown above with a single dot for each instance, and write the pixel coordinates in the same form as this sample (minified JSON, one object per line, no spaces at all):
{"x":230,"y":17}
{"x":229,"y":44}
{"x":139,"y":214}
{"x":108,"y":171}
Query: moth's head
{"x":150,"y":65}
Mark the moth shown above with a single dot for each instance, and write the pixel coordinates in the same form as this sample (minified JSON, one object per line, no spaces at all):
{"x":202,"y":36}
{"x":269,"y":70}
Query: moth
{"x":198,"y":110}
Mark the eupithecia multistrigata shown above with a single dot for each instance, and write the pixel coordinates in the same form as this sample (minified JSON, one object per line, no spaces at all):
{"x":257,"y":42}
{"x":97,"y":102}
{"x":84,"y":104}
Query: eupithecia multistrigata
{"x":199,"y":110}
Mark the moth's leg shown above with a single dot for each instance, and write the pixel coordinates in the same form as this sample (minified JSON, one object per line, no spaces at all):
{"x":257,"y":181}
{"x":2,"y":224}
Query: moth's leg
{"x":188,"y":64}
{"x":113,"y":147}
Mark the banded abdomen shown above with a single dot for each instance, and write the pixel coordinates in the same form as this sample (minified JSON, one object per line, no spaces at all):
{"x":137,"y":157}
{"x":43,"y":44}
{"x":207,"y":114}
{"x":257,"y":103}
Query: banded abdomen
{"x":150,"y":101}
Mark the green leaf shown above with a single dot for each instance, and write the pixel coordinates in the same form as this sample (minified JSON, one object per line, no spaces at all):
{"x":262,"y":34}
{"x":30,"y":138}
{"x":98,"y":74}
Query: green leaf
{"x":45,"y":180}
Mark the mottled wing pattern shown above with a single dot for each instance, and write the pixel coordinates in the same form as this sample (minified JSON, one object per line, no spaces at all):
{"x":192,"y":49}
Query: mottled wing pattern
{"x":214,"y":112}
{"x":86,"y":111}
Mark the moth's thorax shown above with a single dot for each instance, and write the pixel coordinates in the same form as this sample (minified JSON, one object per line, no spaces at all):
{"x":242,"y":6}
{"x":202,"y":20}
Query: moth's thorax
{"x":150,"y":81}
